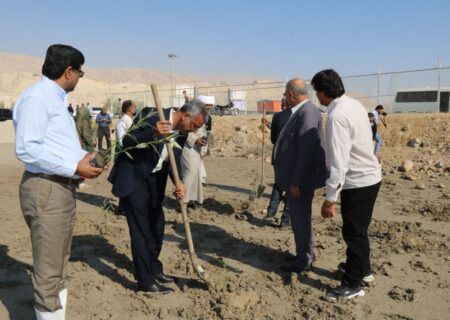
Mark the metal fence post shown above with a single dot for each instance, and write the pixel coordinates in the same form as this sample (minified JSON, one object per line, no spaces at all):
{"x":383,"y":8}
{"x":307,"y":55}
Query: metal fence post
{"x":379,"y":84}
{"x":439,"y":85}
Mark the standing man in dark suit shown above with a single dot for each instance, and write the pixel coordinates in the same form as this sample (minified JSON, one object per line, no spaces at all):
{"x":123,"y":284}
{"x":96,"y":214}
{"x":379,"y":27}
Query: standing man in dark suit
{"x":299,"y":162}
{"x":140,"y":183}
{"x":279,"y":120}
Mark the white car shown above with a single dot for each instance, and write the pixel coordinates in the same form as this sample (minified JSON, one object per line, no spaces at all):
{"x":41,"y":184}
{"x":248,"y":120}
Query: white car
{"x":94,"y":111}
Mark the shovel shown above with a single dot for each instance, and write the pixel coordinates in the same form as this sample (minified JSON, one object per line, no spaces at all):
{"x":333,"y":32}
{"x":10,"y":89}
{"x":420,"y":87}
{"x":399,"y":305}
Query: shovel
{"x":261,"y":186}
{"x":197,"y":267}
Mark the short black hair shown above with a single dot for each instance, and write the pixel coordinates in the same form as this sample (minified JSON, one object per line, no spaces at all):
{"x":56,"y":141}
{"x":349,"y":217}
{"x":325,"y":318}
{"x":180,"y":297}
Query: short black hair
{"x":126,"y":105}
{"x":329,"y":82}
{"x":378,"y":107}
{"x":58,"y":58}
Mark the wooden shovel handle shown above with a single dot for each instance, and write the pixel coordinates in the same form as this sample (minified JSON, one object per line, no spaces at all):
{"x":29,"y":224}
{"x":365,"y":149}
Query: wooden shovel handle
{"x":262,"y":146}
{"x":173,"y":166}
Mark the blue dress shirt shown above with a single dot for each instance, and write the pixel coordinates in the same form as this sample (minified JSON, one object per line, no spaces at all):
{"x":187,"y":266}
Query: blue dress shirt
{"x":101,"y":117}
{"x":46,"y":136}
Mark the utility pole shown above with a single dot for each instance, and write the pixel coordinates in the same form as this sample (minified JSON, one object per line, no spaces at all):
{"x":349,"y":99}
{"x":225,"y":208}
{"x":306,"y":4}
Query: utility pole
{"x":172,"y":57}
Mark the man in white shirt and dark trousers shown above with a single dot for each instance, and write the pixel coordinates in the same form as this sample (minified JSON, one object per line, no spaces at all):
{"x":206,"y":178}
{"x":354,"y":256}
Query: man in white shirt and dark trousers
{"x":126,"y":121}
{"x":355,"y":174}
{"x":123,"y":125}
{"x":47,"y":143}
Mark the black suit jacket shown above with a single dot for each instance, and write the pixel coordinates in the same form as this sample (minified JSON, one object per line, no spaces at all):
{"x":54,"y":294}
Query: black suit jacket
{"x":127,"y":173}
{"x":279,"y":120}
{"x":299,"y":158}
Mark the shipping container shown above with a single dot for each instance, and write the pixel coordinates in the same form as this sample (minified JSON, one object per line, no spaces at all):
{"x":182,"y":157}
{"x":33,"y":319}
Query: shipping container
{"x":272,"y":106}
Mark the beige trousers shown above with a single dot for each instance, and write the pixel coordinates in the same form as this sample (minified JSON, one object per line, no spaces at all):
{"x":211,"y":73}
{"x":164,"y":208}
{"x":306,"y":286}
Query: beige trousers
{"x":49,"y":211}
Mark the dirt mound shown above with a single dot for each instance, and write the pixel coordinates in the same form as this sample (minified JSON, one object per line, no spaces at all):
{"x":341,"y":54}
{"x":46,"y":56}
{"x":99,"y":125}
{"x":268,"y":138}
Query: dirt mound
{"x":241,"y":251}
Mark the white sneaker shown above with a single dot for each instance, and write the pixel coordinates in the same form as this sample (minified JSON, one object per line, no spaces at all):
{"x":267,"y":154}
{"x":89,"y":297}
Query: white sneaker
{"x":345,"y":293}
{"x":367,"y":278}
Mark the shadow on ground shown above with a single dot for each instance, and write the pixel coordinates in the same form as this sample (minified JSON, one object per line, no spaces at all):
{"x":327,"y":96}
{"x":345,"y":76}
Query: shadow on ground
{"x":16,"y":289}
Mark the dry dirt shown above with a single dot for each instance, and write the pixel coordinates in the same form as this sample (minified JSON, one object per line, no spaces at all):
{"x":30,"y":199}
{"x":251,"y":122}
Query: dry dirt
{"x":410,"y":236}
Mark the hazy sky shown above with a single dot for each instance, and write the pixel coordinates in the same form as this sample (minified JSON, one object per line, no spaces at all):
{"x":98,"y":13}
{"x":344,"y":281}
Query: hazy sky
{"x":264,"y":38}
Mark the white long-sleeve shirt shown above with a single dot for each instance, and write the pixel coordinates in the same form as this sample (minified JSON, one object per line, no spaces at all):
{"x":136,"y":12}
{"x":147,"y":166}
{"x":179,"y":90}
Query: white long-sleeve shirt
{"x":46,"y":136}
{"x":349,"y":148}
{"x":122,"y":127}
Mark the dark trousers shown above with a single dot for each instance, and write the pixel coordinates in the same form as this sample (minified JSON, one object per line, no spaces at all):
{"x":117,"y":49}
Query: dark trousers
{"x":104,"y":132}
{"x":300,"y":212}
{"x":356,"y":208}
{"x":275,"y":198}
{"x":145,"y":217}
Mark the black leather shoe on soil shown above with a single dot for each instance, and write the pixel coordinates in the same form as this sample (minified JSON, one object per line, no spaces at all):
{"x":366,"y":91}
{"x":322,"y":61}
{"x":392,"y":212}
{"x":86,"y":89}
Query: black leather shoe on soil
{"x":293,"y":268}
{"x":163,"y":278}
{"x":290,"y":258}
{"x":191,"y":205}
{"x":156,"y":288}
{"x":285,"y":224}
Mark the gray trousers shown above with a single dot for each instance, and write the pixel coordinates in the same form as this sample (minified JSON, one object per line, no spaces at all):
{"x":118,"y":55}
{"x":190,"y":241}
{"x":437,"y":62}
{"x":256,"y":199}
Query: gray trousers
{"x":49,"y":211}
{"x":300,"y":212}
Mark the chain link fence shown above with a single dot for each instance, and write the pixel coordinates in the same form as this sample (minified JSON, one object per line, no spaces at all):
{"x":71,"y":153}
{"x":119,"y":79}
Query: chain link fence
{"x":425,"y":90}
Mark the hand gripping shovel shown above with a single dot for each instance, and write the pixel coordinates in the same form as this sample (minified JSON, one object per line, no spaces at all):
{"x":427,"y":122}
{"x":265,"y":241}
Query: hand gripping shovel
{"x":197,"y":267}
{"x":261,"y":186}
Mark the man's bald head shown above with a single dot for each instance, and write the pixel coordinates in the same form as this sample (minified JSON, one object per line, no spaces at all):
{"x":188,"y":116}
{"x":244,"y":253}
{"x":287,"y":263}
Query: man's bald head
{"x":296,"y":91}
{"x":297,"y":85}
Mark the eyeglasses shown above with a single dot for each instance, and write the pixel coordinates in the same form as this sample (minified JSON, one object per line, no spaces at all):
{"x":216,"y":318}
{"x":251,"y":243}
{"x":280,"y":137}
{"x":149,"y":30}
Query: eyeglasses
{"x":80,"y":72}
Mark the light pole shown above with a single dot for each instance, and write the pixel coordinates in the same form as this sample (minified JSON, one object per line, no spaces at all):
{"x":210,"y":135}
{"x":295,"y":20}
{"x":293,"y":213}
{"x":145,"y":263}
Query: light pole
{"x":172,"y":57}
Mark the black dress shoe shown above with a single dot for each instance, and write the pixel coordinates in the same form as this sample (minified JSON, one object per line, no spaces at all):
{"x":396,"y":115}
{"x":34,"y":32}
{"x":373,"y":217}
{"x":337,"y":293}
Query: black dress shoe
{"x":191,"y":205}
{"x":270,"y":216}
{"x":285,"y":224}
{"x":290,"y":258}
{"x":293,"y":268}
{"x":163,"y":278}
{"x":156,"y":288}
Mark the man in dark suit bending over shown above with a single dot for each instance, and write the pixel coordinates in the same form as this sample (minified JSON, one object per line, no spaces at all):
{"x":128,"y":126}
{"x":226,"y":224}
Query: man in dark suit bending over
{"x":299,"y":163}
{"x":140,"y":182}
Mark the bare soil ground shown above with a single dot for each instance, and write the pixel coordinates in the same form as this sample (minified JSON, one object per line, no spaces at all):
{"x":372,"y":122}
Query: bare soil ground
{"x":410,"y":237}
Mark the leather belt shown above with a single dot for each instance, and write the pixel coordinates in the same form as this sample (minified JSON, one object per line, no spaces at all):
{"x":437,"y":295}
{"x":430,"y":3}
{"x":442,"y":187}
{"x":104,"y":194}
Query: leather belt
{"x":58,"y":179}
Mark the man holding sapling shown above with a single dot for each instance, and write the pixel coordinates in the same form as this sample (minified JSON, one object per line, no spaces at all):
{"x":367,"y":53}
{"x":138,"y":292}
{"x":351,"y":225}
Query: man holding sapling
{"x":139,"y":179}
{"x":47,"y":143}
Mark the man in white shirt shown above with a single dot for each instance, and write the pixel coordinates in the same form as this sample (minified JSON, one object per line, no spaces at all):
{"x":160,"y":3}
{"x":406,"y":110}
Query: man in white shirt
{"x":126,"y":121}
{"x":48,"y":145}
{"x":129,"y":110}
{"x":355,"y":174}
